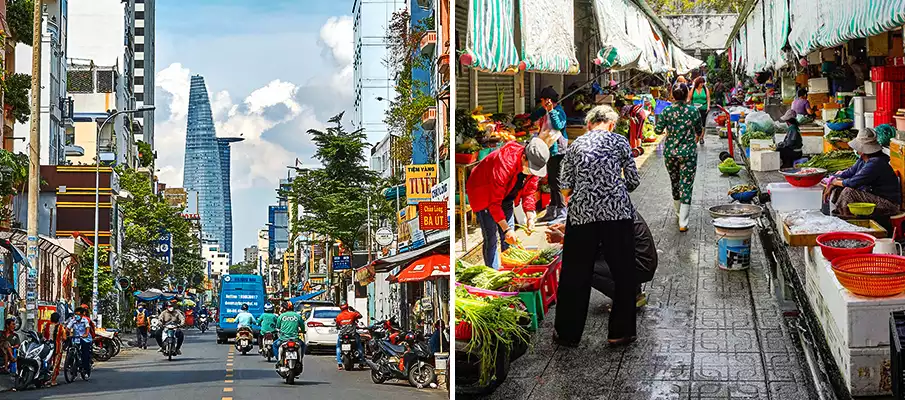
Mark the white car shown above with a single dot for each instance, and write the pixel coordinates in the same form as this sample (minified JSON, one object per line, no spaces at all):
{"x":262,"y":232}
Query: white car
{"x":320,"y":326}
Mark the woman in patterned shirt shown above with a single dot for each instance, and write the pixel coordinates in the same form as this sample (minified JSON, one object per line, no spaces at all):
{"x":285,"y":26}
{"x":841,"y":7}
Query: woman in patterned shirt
{"x":682,"y":123}
{"x":598,"y":172}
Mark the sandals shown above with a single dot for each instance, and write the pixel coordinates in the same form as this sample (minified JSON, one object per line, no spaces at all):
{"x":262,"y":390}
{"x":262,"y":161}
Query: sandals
{"x":622,"y":341}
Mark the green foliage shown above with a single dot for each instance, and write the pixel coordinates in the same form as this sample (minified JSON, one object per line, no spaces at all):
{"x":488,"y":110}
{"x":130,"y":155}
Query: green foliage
{"x":696,"y":6}
{"x":20,"y":18}
{"x":242,"y":268}
{"x":86,"y":274}
{"x":15,"y":92}
{"x":13,"y":172}
{"x":145,"y":154}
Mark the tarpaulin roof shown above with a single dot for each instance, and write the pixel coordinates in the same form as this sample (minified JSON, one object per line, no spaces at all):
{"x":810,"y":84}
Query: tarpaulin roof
{"x":548,"y":47}
{"x":307,"y":296}
{"x":153,"y":294}
{"x":681,"y":61}
{"x":611,"y":16}
{"x":388,"y":263}
{"x":425,"y":268}
{"x":490,"y":36}
{"x":829,"y":23}
{"x":627,"y":31}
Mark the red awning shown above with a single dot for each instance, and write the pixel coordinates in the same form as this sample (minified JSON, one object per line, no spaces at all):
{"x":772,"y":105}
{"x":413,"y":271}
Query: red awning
{"x":425,"y":268}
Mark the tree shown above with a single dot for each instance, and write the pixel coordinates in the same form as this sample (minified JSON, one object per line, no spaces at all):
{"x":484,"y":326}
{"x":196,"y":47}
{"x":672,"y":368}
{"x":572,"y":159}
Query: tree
{"x":243,"y":268}
{"x":20,"y":17}
{"x":696,"y":6}
{"x":15,"y":96}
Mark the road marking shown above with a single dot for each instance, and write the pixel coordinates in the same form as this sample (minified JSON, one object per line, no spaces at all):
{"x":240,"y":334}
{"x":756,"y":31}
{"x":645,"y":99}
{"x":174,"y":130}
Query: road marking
{"x":228,"y":381}
{"x":229,"y":374}
{"x":229,"y":364}
{"x":228,"y":389}
{"x":226,"y":398}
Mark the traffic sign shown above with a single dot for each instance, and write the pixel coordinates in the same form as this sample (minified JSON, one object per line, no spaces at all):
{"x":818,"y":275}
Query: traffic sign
{"x":342,"y":262}
{"x":384,"y":236}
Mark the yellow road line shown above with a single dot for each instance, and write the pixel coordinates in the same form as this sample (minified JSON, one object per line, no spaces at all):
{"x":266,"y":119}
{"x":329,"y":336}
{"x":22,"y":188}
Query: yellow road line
{"x":226,"y":398}
{"x":228,"y":381}
{"x":229,"y":389}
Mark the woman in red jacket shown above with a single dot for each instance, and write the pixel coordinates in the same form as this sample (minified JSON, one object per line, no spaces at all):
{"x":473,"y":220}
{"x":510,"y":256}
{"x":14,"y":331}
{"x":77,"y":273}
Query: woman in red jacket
{"x":503,"y":180}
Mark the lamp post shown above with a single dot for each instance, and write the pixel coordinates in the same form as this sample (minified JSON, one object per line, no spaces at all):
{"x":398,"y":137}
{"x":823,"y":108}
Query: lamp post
{"x":97,"y":196}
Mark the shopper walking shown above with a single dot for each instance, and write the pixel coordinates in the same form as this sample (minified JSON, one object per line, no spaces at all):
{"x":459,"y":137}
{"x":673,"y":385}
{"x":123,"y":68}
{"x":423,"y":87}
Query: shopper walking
{"x":500,"y":182}
{"x":142,"y":326}
{"x":682,"y":124}
{"x":700,"y":98}
{"x":598,"y":172}
{"x":552,"y":120}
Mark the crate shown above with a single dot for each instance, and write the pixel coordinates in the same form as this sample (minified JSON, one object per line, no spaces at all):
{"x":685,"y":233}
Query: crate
{"x":810,"y":239}
{"x":890,"y":96}
{"x":896,"y":356}
{"x":818,"y":85}
{"x":887,"y":74}
{"x":883,"y":117}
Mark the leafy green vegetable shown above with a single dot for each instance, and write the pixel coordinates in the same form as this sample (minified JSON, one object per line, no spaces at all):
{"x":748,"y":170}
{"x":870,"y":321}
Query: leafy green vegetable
{"x":833,"y":161}
{"x":494,"y":322}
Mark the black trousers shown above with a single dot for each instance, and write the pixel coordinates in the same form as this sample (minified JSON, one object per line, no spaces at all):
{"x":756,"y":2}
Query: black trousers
{"x":553,"y":170}
{"x":788,"y":156}
{"x":581,"y":247}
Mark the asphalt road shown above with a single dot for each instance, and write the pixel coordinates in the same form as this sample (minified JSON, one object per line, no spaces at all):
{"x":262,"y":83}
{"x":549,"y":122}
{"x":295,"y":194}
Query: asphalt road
{"x":202,"y":372}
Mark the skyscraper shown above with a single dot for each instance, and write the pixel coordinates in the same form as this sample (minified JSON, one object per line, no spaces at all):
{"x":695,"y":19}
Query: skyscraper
{"x":207,"y":162}
{"x":144,"y":65}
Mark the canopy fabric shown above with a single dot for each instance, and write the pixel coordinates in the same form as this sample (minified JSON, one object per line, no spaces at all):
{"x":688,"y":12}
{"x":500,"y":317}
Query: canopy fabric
{"x":757,"y":56}
{"x":829,"y":23}
{"x":153,"y":294}
{"x":743,"y":48}
{"x":681,"y":61}
{"x":306,"y":296}
{"x":426,"y":268}
{"x":640,"y":31}
{"x":776,"y":25}
{"x":611,"y":16}
{"x":388,"y":263}
{"x":490,"y":36}
{"x":548,"y":47}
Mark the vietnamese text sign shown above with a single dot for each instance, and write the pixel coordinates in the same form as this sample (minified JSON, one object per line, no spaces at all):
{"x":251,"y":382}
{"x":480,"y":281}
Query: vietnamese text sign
{"x":384,"y":236}
{"x":419,"y":180}
{"x":432,"y":215}
{"x":342,"y":262}
{"x":440,"y":191}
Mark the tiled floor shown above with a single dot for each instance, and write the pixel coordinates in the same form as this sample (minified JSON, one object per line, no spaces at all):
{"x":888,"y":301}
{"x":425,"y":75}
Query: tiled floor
{"x":706,"y":334}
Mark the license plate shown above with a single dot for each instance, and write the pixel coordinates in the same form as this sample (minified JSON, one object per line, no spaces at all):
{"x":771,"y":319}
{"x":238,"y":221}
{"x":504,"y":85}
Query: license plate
{"x":331,"y":330}
{"x":230,"y":320}
{"x":292,"y":356}
{"x":346,"y":347}
{"x":268,"y":342}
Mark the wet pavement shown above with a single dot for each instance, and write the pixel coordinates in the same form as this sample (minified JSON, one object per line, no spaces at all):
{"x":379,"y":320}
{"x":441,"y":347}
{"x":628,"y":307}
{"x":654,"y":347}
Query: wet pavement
{"x":706,"y":333}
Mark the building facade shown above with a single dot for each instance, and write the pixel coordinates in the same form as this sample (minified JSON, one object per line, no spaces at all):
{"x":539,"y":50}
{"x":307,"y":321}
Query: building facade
{"x":251,"y":255}
{"x":217,"y":261}
{"x":94,"y":90}
{"x":381,"y":162}
{"x":143,"y":21}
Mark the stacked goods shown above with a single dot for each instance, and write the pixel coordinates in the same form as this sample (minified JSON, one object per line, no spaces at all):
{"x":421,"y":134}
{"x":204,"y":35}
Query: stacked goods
{"x":890,"y":81}
{"x":546,"y":256}
{"x":516,"y":257}
{"x":746,"y":138}
{"x":483,"y":277}
{"x":833,"y":161}
{"x":494,"y":322}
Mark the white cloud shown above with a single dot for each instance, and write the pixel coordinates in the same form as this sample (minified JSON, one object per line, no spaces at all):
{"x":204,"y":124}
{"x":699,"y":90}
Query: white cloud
{"x":337,"y":36}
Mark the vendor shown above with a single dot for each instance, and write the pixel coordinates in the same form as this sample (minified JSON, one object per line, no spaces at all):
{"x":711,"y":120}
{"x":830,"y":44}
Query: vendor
{"x":801,"y":105}
{"x":552,"y":120}
{"x":870,"y":180}
{"x":790,"y":147}
{"x":502,"y":180}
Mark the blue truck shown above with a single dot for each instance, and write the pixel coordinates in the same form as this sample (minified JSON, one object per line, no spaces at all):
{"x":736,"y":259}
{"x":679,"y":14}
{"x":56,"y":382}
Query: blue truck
{"x":236,"y":290}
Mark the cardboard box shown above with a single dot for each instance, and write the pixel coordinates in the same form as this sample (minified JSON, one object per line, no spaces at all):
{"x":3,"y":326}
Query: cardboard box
{"x":817,"y":99}
{"x":761,"y":144}
{"x":763,"y":161}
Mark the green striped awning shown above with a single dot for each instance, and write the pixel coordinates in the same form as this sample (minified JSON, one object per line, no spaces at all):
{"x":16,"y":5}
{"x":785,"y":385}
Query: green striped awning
{"x":490,"y":36}
{"x":548,"y":36}
{"x":618,"y":51}
{"x":829,"y":23}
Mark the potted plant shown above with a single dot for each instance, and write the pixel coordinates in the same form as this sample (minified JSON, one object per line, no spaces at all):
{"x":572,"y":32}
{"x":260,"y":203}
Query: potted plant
{"x":467,"y":129}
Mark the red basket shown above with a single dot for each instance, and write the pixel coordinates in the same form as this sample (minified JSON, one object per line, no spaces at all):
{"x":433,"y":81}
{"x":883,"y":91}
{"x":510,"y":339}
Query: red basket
{"x":890,"y":96}
{"x":831,"y":253}
{"x":871,"y":275}
{"x":882,"y":117}
{"x":804,"y":181}
{"x":466,"y":158}
{"x":463,"y":331}
{"x":887,"y":73}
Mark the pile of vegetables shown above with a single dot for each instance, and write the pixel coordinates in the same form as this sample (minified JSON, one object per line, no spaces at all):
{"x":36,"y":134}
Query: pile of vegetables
{"x":466,"y":125}
{"x":647,"y":132}
{"x":622,"y":127}
{"x":494,"y":322}
{"x":729,"y":163}
{"x":546,"y":256}
{"x":844,"y":136}
{"x":746,"y":138}
{"x":517,"y":256}
{"x":833,"y":161}
{"x":742,"y":189}
{"x":483,"y":277}
{"x":470,"y":145}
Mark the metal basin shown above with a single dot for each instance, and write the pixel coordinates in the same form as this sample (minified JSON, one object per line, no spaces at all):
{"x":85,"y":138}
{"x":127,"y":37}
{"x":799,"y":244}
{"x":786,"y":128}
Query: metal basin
{"x":736,"y":210}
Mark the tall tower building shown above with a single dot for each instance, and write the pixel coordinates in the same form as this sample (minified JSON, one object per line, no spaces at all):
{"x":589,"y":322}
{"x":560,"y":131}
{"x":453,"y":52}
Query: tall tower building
{"x":206,"y":171}
{"x":143,"y":64}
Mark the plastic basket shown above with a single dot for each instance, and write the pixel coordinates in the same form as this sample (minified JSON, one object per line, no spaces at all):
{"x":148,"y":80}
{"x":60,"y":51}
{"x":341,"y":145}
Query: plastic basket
{"x":831,"y":253}
{"x":871,"y":275}
{"x":463,"y":331}
{"x":661,"y":105}
{"x":887,"y":73}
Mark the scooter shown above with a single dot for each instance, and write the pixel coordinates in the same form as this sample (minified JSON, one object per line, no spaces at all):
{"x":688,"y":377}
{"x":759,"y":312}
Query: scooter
{"x":412,"y":360}
{"x":202,"y":323}
{"x":290,"y":364}
{"x":35,"y":365}
{"x":267,"y":346}
{"x":169,"y":341}
{"x":244,"y":340}
{"x":348,"y":337}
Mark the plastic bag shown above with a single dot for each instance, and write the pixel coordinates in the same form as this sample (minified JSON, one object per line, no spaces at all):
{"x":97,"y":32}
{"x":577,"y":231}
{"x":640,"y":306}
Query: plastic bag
{"x":550,"y":135}
{"x":759,"y":121}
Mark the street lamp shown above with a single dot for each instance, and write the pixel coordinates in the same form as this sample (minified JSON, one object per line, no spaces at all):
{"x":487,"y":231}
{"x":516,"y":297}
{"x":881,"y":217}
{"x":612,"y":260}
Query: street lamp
{"x":97,"y":195}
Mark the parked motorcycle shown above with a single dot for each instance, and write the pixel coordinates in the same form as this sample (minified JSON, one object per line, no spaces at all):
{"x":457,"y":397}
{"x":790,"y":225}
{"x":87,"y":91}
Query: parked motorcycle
{"x":245,"y":340}
{"x":290,"y":362}
{"x":107,"y":344}
{"x":349,"y":353}
{"x":169,"y":341}
{"x":267,"y":345}
{"x":35,"y":364}
{"x":203,"y":323}
{"x":411,"y":360}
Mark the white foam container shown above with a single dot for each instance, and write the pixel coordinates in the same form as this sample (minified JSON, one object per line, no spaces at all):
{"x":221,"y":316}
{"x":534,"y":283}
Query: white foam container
{"x":864,"y":104}
{"x":785,"y":197}
{"x":763,"y":161}
{"x":830,"y":114}
{"x":818,"y":85}
{"x":869,"y":88}
{"x":869,"y":119}
{"x":859,"y":121}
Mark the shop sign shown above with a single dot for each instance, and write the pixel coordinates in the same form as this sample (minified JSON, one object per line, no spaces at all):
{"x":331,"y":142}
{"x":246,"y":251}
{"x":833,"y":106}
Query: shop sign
{"x":404,"y":232}
{"x":417,"y":239}
{"x":384,"y":236}
{"x":432,"y":215}
{"x":440,"y":191}
{"x":419,"y":180}
{"x":342,"y":262}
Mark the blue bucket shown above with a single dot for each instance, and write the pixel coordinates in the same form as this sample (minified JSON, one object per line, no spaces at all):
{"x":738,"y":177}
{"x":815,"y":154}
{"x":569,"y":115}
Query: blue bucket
{"x":734,"y":249}
{"x":735,"y":117}
{"x":661,"y":105}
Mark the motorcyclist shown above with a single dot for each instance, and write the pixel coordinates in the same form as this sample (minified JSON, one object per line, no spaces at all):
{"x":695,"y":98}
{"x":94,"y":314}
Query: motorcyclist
{"x":268,"y":323}
{"x":168,"y":316}
{"x":244,"y":319}
{"x":290,"y":325}
{"x":80,"y":327}
{"x":347,"y":316}
{"x":203,"y":312}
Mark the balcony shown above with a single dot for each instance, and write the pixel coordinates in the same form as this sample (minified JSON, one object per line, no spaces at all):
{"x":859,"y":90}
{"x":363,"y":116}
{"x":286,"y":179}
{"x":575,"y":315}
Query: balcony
{"x":429,"y":119}
{"x":74,"y":151}
{"x":443,"y":67}
{"x":428,"y":43}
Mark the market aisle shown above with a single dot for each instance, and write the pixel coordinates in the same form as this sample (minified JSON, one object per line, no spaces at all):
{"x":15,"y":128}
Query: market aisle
{"x":706,"y":333}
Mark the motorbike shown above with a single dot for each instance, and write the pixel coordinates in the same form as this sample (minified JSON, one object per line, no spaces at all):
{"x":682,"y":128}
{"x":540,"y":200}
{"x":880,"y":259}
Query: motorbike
{"x":169,"y":341}
{"x":107,"y":344}
{"x":349,"y":353}
{"x":267,"y":345}
{"x":290,"y":362}
{"x":203,"y":323}
{"x":35,"y":364}
{"x":410,"y":360}
{"x":244,"y":340}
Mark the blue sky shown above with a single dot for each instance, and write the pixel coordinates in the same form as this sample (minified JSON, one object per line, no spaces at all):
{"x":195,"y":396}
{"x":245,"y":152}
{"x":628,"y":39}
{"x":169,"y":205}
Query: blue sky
{"x":274,"y":69}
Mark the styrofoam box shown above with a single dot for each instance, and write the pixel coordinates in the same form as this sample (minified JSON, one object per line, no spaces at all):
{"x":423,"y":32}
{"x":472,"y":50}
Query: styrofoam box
{"x":761,"y":144}
{"x":763,"y":161}
{"x":830,"y":114}
{"x":869,"y":119}
{"x":869,"y":88}
{"x":785,"y":197}
{"x":809,"y":144}
{"x":859,"y":121}
{"x":818,"y":85}
{"x":864,"y":104}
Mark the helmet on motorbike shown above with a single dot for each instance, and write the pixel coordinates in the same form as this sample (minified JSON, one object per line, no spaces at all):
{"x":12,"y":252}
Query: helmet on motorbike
{"x":344,"y":307}
{"x":268,"y":307}
{"x":244,"y":307}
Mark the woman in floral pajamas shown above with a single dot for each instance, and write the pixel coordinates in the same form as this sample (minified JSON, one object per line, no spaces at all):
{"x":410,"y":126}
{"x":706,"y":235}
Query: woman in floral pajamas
{"x":682,"y":124}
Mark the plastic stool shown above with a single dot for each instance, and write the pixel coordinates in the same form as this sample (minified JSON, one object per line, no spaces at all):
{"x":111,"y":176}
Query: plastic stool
{"x":535,"y":307}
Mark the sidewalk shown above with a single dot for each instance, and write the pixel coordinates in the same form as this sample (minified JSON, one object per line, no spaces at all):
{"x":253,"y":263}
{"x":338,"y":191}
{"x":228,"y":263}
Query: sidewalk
{"x":706,"y":333}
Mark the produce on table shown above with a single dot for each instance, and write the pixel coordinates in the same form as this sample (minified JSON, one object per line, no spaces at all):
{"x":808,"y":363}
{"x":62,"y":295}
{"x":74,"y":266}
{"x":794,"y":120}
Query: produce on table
{"x":470,"y":145}
{"x":746,"y":138}
{"x":846,"y":135}
{"x":488,"y":278}
{"x":622,"y":127}
{"x":805,"y":119}
{"x":729,"y":162}
{"x":833,"y":161}
{"x":494,"y":322}
{"x":742,"y":189}
{"x":813,"y":221}
{"x":546,"y":256}
{"x":848,"y":243}
{"x":466,"y":125}
{"x":516,"y":256}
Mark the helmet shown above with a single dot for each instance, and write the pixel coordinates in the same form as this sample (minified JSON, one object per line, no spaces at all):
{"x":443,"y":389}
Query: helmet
{"x":344,"y":307}
{"x":244,"y":307}
{"x":268,"y":307}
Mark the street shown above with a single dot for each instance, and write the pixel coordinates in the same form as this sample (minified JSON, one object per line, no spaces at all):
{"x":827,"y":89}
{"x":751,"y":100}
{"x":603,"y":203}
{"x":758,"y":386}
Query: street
{"x":203,"y":372}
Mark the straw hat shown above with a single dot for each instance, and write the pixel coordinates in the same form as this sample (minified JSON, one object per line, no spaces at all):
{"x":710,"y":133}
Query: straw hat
{"x":866,"y":142}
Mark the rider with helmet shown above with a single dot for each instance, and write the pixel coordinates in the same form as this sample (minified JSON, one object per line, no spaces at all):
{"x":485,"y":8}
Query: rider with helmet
{"x":172,"y":316}
{"x":244,"y":319}
{"x":290,"y":324}
{"x":347,"y":316}
{"x":268,"y":323}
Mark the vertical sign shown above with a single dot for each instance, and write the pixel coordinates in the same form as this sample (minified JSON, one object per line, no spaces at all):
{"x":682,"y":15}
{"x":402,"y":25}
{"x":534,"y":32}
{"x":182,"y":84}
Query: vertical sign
{"x":419,"y":180}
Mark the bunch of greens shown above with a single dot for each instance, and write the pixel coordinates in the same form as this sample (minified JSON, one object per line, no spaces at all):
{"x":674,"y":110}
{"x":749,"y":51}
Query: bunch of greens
{"x":833,"y":161}
{"x":746,"y":138}
{"x":846,"y":135}
{"x":546,"y":256}
{"x":494,"y":322}
{"x":466,"y":126}
{"x":729,"y":163}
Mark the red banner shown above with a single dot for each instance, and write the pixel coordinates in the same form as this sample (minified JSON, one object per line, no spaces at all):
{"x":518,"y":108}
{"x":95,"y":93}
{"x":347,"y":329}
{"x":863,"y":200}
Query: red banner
{"x":432,"y":215}
{"x":44,"y":312}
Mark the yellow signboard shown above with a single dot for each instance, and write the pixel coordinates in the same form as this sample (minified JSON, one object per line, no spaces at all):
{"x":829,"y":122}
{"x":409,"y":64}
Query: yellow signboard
{"x":419,"y":179}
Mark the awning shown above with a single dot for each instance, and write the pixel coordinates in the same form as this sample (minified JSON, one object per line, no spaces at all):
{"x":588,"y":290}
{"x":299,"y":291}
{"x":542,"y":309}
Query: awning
{"x":489,"y":40}
{"x":153,"y":294}
{"x":681,"y":61}
{"x":776,"y":27}
{"x":306,"y":296}
{"x":757,"y":56}
{"x":425,"y":268}
{"x":617,"y":49}
{"x":829,"y":23}
{"x":388,"y":263}
{"x":548,"y":36}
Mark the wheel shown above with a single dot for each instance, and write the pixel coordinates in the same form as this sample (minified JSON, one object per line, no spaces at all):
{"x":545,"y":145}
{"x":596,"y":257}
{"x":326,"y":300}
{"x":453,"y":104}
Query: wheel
{"x":86,"y":375}
{"x":24,"y":377}
{"x":244,"y":352}
{"x":422,"y":375}
{"x":348,"y":365}
{"x":170,"y":357}
{"x":269,"y":357}
{"x":290,"y":378}
{"x":377,"y":377}
{"x":635,"y":153}
{"x":641,"y":149}
{"x":71,"y":367}
{"x":117,"y":347}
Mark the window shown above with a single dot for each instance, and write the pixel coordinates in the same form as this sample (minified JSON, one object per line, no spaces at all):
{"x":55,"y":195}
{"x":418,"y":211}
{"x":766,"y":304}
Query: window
{"x":139,"y":97}
{"x":139,"y":48}
{"x":139,"y":31}
{"x":139,"y":15}
{"x":139,"y":80}
{"x":326,"y":313}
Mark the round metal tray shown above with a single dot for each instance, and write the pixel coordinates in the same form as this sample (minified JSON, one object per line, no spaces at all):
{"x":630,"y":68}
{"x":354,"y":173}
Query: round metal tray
{"x":736,"y":210}
{"x":794,"y":172}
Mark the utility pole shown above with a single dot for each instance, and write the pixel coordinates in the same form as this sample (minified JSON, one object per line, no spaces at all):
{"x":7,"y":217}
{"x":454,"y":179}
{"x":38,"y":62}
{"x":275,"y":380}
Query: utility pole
{"x":34,"y":170}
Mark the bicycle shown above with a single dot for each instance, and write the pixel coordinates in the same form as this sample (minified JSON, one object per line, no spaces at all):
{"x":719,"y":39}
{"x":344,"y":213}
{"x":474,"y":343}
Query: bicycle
{"x":73,"y":365}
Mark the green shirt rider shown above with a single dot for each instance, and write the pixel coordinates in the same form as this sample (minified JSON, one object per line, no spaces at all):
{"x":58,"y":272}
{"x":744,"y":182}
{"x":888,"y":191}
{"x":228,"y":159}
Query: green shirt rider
{"x":267,"y":322}
{"x":291,"y":327}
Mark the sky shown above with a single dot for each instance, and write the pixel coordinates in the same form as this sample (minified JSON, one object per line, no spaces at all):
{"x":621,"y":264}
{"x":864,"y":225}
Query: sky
{"x":274,"y":69}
